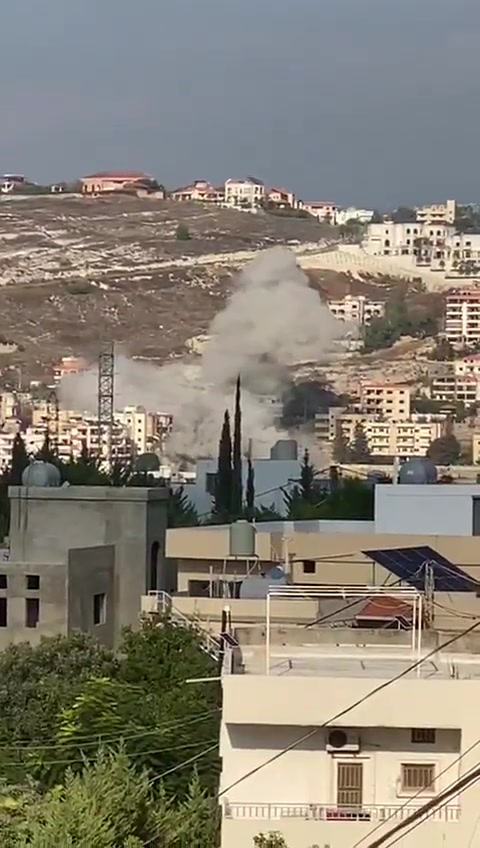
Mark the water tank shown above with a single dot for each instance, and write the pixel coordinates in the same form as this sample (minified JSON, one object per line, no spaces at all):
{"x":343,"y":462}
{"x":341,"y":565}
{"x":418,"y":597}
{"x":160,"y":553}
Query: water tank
{"x":256,"y":586}
{"x":41,"y":474}
{"x":284,"y":449}
{"x":418,"y":470}
{"x":242,"y":539}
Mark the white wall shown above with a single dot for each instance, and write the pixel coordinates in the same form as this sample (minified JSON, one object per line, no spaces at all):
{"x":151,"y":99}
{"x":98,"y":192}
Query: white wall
{"x":441,"y":510}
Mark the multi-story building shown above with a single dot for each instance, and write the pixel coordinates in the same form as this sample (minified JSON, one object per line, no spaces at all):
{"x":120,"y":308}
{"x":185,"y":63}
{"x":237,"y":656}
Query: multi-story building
{"x":248,"y":193}
{"x":374,"y":740}
{"x":69,"y":365}
{"x":143,"y":428}
{"x":389,"y":400}
{"x":351,"y":213}
{"x":401,"y":438}
{"x":324,"y":211}
{"x":468,"y":366}
{"x":282,"y":198}
{"x":200,"y":190}
{"x":105,"y":182}
{"x":356,"y":308}
{"x":428,"y":244}
{"x":437,"y":213}
{"x":462,"y":317}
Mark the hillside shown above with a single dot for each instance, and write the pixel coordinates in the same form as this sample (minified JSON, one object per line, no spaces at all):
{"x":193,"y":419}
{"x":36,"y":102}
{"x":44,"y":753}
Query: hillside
{"x":74,"y":270}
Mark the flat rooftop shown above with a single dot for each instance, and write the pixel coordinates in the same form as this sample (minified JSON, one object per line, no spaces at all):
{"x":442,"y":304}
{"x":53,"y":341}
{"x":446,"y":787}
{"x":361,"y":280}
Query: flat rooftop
{"x":312,"y":661}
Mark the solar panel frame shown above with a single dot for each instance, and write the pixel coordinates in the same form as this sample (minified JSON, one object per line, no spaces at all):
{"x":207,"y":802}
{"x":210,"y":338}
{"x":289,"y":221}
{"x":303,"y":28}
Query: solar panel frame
{"x":408,"y":564}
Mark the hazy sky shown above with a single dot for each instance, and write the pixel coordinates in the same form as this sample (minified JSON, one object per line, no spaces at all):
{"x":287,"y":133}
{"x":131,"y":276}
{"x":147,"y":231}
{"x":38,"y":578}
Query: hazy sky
{"x":373,"y":102}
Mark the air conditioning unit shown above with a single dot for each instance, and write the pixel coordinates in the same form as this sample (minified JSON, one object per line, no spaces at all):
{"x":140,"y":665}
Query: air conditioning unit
{"x":342,"y":742}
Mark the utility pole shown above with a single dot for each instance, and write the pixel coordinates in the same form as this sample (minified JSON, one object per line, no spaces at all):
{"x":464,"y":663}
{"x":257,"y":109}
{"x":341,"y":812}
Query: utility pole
{"x":106,"y":372}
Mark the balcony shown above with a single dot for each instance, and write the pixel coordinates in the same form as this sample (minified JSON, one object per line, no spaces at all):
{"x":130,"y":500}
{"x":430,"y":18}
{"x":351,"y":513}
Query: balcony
{"x":330,"y":813}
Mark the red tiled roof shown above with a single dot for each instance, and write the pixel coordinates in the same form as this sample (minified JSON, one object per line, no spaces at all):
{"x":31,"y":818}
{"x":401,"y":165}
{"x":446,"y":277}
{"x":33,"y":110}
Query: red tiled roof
{"x":386,"y":608}
{"x":118,"y":175}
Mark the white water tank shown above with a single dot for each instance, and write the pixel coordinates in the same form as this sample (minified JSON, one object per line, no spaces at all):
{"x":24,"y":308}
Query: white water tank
{"x":242,"y":539}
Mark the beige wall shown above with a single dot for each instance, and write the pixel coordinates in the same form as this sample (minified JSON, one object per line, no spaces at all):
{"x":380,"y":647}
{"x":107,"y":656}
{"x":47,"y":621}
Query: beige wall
{"x":91,"y":572}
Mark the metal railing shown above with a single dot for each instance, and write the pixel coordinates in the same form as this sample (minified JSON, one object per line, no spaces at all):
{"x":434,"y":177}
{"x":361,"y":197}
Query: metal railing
{"x":328,"y":812}
{"x":165,"y":606}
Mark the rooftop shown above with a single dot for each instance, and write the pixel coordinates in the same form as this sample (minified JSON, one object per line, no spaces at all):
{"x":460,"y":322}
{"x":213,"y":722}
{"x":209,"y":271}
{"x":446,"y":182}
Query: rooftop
{"x":118,"y":175}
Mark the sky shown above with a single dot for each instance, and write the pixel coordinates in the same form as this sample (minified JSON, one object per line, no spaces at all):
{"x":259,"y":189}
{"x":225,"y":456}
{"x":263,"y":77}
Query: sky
{"x":365,"y":102}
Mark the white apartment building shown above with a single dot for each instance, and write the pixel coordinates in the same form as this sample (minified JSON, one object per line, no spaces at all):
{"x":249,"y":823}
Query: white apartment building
{"x":462,"y":317}
{"x":282,"y":198}
{"x":246,"y":193}
{"x":451,"y":389}
{"x":389,"y":751}
{"x":389,"y":400}
{"x":427,"y":243}
{"x":468,"y":366}
{"x":400,"y":438}
{"x":437,"y":213}
{"x":200,"y":190}
{"x":356,"y":308}
{"x":142,"y":427}
{"x":324,"y":211}
{"x":363,"y":216}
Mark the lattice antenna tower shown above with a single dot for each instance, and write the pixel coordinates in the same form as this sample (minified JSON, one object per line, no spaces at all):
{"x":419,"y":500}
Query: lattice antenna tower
{"x":53,"y":421}
{"x":106,"y":372}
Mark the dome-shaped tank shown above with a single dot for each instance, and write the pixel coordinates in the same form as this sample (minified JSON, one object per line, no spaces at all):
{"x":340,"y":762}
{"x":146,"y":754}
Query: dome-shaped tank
{"x":418,"y":470}
{"x":147,"y":462}
{"x":256,"y":586}
{"x":284,"y":449}
{"x":41,"y":474}
{"x":242,"y":539}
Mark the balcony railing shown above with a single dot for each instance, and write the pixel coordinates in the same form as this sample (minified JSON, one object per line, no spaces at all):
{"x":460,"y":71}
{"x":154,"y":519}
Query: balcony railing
{"x":322,"y":812}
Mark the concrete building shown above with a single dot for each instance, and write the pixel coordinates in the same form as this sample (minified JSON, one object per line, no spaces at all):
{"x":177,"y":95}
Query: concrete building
{"x":142,"y":427}
{"x":69,"y":365}
{"x":427,"y":244}
{"x":431,"y":508}
{"x":452,"y":389}
{"x":462,"y":317}
{"x":437,"y":213}
{"x":282,"y":198}
{"x":314,"y":749}
{"x":356,"y":308}
{"x":248,"y":193}
{"x":388,"y":400}
{"x":106,"y":182}
{"x":81,"y":558}
{"x":324,"y":211}
{"x":351,"y":213}
{"x":476,"y":448}
{"x":201,"y":191}
{"x":385,"y":437}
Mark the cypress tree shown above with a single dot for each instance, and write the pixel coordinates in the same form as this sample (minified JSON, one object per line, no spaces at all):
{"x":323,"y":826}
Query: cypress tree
{"x":19,"y":460}
{"x":237,"y":488}
{"x":223,"y":488}
{"x":250,"y":494}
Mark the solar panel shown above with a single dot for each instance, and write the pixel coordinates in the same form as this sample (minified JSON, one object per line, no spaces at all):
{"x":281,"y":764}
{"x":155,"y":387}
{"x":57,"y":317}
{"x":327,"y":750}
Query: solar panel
{"x":409,"y":565}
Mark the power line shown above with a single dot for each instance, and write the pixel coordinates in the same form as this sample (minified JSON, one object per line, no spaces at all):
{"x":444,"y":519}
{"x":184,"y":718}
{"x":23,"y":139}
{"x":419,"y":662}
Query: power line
{"x":416,"y":795}
{"x":352,"y":706}
{"x":186,"y":762}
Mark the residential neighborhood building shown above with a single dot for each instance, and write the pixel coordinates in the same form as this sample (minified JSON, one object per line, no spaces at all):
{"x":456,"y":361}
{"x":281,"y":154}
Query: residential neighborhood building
{"x":453,"y":389}
{"x":248,"y":193}
{"x":388,"y":400}
{"x":351,"y":213}
{"x":385,"y":437}
{"x":356,"y":308}
{"x":437,"y":213}
{"x":282,"y":198}
{"x":105,"y":182}
{"x":437,"y":246}
{"x":68,"y":366}
{"x":200,"y":190}
{"x":462,"y":316}
{"x":324,"y":211}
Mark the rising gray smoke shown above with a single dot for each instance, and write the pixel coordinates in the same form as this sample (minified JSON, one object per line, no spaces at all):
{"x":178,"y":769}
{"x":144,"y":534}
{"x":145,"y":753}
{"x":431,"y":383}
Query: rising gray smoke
{"x":272,"y":321}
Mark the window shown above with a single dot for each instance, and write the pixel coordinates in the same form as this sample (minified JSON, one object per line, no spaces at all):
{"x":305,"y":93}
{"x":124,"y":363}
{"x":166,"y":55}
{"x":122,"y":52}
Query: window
{"x":99,"y":608}
{"x":418,"y":777}
{"x":349,"y":784}
{"x":153,"y":570}
{"x":423,"y":736}
{"x":32,"y":612}
{"x":309,"y":566}
{"x":3,"y":581}
{"x":3,"y":612}
{"x":210,"y":483}
{"x":33,"y":582}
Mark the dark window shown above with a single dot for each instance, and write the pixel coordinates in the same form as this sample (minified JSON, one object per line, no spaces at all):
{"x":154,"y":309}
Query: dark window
{"x":33,"y":582}
{"x":3,"y":581}
{"x":32,"y":612}
{"x":3,"y":612}
{"x":423,"y":735}
{"x":99,"y":608}
{"x":350,"y":785}
{"x":309,"y":566}
{"x":211,"y":483}
{"x":153,"y":570}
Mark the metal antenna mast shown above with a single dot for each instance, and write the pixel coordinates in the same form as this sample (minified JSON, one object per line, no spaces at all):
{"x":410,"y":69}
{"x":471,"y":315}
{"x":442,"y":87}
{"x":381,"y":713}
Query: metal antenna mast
{"x":106,"y":371}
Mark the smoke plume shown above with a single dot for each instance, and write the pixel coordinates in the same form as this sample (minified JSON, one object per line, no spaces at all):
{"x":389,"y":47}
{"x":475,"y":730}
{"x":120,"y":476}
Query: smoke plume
{"x":273,"y":320}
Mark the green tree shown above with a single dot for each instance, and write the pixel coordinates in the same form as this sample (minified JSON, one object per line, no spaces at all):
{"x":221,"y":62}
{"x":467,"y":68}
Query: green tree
{"x":302,"y":502}
{"x":445,"y":450}
{"x":47,"y":452}
{"x":237,"y":485}
{"x":180,"y":511}
{"x":19,"y":461}
{"x":443,"y":351}
{"x":350,"y":500}
{"x":274,"y":839}
{"x":340,"y":447}
{"x":377,"y":217}
{"x":182,"y":233}
{"x":224,"y":480}
{"x":250,"y":492}
{"x":404,"y":215}
{"x":359,"y":449}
